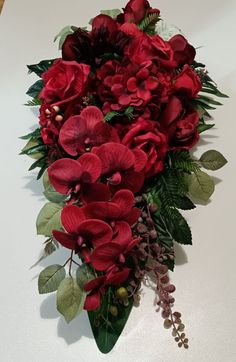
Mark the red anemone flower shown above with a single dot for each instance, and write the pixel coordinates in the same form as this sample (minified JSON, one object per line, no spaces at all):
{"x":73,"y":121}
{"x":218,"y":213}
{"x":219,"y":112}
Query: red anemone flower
{"x":82,"y":132}
{"x":119,"y":208}
{"x":82,"y":233}
{"x":122,"y":167}
{"x":67,"y":175}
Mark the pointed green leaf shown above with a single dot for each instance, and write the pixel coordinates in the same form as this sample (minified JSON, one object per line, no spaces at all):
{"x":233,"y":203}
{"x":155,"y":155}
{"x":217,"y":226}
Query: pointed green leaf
{"x":213,"y":160}
{"x":106,"y":328}
{"x":41,"y":67}
{"x":34,"y":135}
{"x":50,"y":278}
{"x":204,"y":127}
{"x":52,"y":195}
{"x":113,"y":13}
{"x":201,"y":186}
{"x":49,"y":219}
{"x":32,"y":149}
{"x":178,"y":227}
{"x":83,"y":275}
{"x":35,"y":89}
{"x":70,"y":299}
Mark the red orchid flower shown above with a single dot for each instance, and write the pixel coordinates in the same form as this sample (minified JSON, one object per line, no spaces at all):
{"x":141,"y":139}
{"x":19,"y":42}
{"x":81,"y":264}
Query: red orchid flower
{"x":119,"y":208}
{"x":122,"y":167}
{"x":82,"y":233}
{"x":108,"y":255}
{"x":67,"y":175}
{"x":96,"y":287}
{"x":80,"y":133}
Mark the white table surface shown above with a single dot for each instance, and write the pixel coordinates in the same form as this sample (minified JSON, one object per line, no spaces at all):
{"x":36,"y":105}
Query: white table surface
{"x":30,"y":327}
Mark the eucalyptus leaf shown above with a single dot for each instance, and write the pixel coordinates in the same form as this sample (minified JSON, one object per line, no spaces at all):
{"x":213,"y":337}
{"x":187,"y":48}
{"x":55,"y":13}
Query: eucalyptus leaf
{"x":201,"y":186}
{"x":113,"y":13}
{"x":49,"y":219}
{"x":50,"y":278}
{"x":213,"y":160}
{"x":70,"y":299}
{"x":84,"y":274}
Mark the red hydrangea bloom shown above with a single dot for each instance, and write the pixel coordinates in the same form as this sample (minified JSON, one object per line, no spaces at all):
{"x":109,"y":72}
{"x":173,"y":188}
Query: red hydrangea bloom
{"x":110,"y":254}
{"x":145,"y":135}
{"x":80,"y":133}
{"x":82,"y":233}
{"x":119,"y":208}
{"x":180,"y":130}
{"x":63,"y":82}
{"x":67,"y":176}
{"x":122,"y":167}
{"x":96,"y":287}
{"x":184,"y":53}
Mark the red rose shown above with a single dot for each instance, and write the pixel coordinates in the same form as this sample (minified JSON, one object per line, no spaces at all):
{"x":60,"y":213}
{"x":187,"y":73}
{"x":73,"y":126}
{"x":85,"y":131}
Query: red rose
{"x":64,"y":82}
{"x":144,"y":135}
{"x":184,"y":53}
{"x":181,"y":130}
{"x":146,"y":47}
{"x":135,"y":11}
{"x":187,"y":83}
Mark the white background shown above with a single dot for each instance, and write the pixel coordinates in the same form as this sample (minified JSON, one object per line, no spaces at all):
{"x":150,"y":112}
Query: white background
{"x":30,"y":327}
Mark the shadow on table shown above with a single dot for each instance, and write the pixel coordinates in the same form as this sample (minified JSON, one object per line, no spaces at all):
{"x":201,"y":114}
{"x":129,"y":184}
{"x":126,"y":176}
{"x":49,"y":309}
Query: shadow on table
{"x":71,"y":332}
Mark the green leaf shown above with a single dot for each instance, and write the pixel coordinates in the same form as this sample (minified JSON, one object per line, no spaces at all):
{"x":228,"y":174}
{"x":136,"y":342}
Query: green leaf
{"x":35,"y":89}
{"x":49,"y":219}
{"x":41,"y":67}
{"x":38,"y":163}
{"x":213,"y":160}
{"x":50,"y":278}
{"x":113,"y":13}
{"x":201,"y":185}
{"x":148,"y":24}
{"x":84,"y":274}
{"x":204,"y":127}
{"x":67,"y":30}
{"x":178,"y":228}
{"x":106,"y":328}
{"x":184,"y":203}
{"x":50,"y":247}
{"x":209,"y":100}
{"x":33,"y":149}
{"x":33,"y":103}
{"x":70,"y":299}
{"x":214,"y":91}
{"x":128,"y":113}
{"x":52,"y":195}
{"x":41,"y":172}
{"x":34,"y":135}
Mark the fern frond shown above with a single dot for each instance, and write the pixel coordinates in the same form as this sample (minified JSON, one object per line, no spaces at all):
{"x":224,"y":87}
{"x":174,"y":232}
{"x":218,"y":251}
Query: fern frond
{"x":148,"y":24}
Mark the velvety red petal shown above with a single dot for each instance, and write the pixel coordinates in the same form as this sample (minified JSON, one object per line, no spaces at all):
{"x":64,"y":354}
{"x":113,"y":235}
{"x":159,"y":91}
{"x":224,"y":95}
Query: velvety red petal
{"x":71,"y":135}
{"x":104,"y":255}
{"x":71,"y":217}
{"x":96,"y":231}
{"x":118,"y":278}
{"x":132,"y":85}
{"x":64,"y":174}
{"x":104,"y":21}
{"x":102,"y":210}
{"x":132,"y":244}
{"x":92,"y":301}
{"x":66,"y":240}
{"x":91,"y":167}
{"x":124,"y":99}
{"x":132,"y":217}
{"x":144,"y":94}
{"x":124,"y":199}
{"x":172,"y":111}
{"x":131,"y":180}
{"x":151,"y":83}
{"x":92,"y":114}
{"x":140,"y":159}
{"x":95,"y":192}
{"x":94,"y":283}
{"x":114,"y":157}
{"x":124,"y":234}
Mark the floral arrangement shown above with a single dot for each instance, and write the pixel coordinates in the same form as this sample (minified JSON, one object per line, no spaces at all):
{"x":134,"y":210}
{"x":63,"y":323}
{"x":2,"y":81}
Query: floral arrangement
{"x":119,"y":114}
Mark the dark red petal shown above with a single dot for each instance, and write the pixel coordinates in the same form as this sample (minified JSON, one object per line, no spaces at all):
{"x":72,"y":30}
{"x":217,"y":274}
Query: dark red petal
{"x":114,"y":157}
{"x":124,"y":199}
{"x":92,"y":301}
{"x":171,"y":112}
{"x":104,"y":21}
{"x":118,"y":278}
{"x":132,"y":244}
{"x":94,"y":283}
{"x":71,"y":217}
{"x":131,"y":180}
{"x":102,"y":210}
{"x":71,"y":136}
{"x":95,"y":192}
{"x":91,"y":167}
{"x":104,"y":255}
{"x":64,"y":174}
{"x":124,"y":99}
{"x":97,"y":231}
{"x":124,"y":234}
{"x":66,"y":240}
{"x":151,"y":83}
{"x":132,"y":217}
{"x":92,"y":114}
{"x":132,"y":85}
{"x":140,"y":159}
